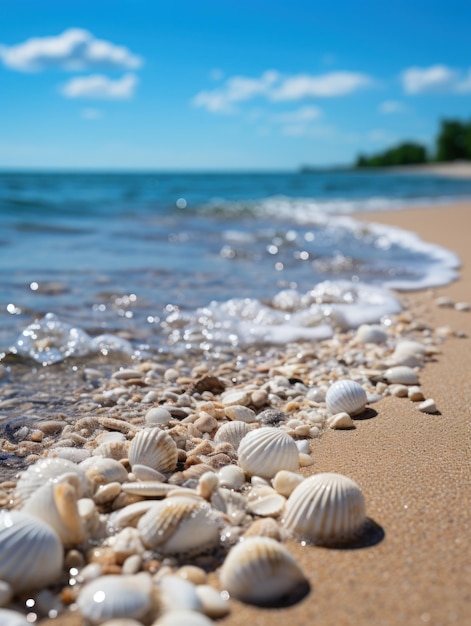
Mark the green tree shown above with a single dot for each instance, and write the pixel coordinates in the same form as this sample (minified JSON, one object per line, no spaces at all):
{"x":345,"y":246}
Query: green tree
{"x":406,"y":153}
{"x":453,"y":141}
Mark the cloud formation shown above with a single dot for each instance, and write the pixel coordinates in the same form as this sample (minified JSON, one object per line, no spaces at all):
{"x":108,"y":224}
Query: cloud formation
{"x":275,"y":87}
{"x":435,"y":79}
{"x":100,"y":87}
{"x":391,"y":106}
{"x":73,"y":50}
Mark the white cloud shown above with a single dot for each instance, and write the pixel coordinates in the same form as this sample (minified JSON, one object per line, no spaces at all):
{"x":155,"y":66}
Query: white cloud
{"x":275,"y":87}
{"x":74,"y":50}
{"x":391,"y":106}
{"x":325,"y":86}
{"x":304,"y":114}
{"x":100,"y":87}
{"x":437,"y":78}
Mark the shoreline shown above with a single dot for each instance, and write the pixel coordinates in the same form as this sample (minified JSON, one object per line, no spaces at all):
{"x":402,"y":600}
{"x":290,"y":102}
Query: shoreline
{"x":413,"y":469}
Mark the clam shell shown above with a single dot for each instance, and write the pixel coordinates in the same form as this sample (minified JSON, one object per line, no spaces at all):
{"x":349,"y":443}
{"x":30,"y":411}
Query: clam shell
{"x":114,"y":449}
{"x":232,"y":432}
{"x":231,"y":476}
{"x":370,"y":333}
{"x":346,"y":396}
{"x":56,"y":504}
{"x":265,"y":501}
{"x":402,"y":375}
{"x":46,"y":470}
{"x":103,"y":470}
{"x":149,"y":488}
{"x":266,"y":451}
{"x":109,"y":597}
{"x":179,"y":525}
{"x":31,"y":551}
{"x":155,"y":448}
{"x":128,"y":516}
{"x":325,"y":508}
{"x":261,"y":571}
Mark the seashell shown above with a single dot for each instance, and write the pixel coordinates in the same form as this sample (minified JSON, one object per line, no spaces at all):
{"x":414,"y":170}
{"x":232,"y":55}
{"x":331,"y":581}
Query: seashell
{"x":128,"y":516}
{"x":240,"y":413}
{"x":56,"y":504}
{"x":109,"y":597}
{"x":232,"y":432}
{"x":143,"y":472}
{"x":31,"y":551}
{"x":346,"y":396}
{"x":214,"y":604}
{"x":402,"y":375}
{"x":207,"y":484}
{"x":103,"y":470}
{"x":12,"y":618}
{"x":408,"y":353}
{"x":6,"y":593}
{"x":179,"y":525}
{"x":46,"y":470}
{"x":183,"y":616}
{"x":155,"y":448}
{"x":264,"y":527}
{"x":341,"y":421}
{"x":326,"y":508}
{"x":370,"y":333}
{"x":266,"y":451}
{"x":115,"y":449}
{"x":231,"y":503}
{"x":285,"y":482}
{"x":265,"y":501}
{"x":158,"y":416}
{"x":175,"y":591}
{"x":261,"y":571}
{"x":149,"y":488}
{"x":231,"y":476}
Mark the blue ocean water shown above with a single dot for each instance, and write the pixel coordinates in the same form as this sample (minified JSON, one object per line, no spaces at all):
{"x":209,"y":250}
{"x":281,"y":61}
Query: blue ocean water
{"x":180,"y":261}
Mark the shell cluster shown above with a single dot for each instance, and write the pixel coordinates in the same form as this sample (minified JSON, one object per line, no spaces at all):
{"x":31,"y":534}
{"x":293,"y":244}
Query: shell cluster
{"x":171,"y":472}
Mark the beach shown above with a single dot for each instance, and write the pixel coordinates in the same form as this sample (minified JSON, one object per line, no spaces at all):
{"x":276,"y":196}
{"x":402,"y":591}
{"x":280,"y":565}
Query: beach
{"x":415,"y":472}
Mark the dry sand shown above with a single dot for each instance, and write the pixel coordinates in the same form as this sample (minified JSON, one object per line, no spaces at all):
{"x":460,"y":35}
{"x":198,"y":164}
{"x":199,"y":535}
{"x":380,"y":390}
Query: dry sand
{"x":415,"y":472}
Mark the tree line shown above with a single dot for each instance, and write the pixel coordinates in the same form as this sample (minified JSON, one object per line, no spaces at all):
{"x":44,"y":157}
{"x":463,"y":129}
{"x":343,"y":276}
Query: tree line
{"x":453,"y":143}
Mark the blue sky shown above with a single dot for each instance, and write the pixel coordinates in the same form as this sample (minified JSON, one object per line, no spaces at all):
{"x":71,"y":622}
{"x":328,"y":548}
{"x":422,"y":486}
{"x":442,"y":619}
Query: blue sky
{"x":226,"y":84}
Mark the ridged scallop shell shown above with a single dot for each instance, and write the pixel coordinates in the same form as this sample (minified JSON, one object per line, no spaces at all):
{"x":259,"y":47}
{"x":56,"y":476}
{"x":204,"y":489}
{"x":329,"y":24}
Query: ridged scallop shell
{"x":31,"y":551}
{"x":232,"y":432}
{"x":179,"y":525}
{"x":402,"y":375}
{"x":12,"y":618}
{"x":261,"y":571}
{"x":110,"y":597}
{"x":103,"y":470}
{"x":155,"y":448}
{"x":116,"y":450}
{"x":346,"y":396}
{"x":266,"y":451}
{"x":128,"y":515}
{"x":47,"y":470}
{"x":56,"y":504}
{"x":325,"y":508}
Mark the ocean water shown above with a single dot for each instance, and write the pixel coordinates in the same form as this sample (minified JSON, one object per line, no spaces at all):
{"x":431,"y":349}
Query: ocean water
{"x":171,"y":263}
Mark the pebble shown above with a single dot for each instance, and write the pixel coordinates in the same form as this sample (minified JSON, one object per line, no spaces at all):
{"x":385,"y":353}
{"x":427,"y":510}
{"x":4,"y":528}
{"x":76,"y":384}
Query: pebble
{"x":463,"y":306}
{"x":341,"y":421}
{"x":428,"y":406}
{"x":415,"y":393}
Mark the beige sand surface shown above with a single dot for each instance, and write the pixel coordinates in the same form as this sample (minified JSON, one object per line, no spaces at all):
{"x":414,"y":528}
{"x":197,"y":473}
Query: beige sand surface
{"x":415,"y":473}
{"x":456,"y":169}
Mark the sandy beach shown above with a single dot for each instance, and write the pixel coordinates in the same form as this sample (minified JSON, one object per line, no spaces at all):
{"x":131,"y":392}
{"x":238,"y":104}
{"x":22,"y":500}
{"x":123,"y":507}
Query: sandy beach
{"x":415,"y":472}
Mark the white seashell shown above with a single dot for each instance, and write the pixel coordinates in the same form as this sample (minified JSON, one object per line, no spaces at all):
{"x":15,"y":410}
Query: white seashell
{"x":231,"y":503}
{"x":175,"y":591}
{"x":367,"y":333}
{"x":109,"y":597}
{"x":231,"y":476}
{"x":409,"y":353}
{"x":184,"y":617}
{"x":214,"y":604}
{"x":235,"y":397}
{"x":265,"y":501}
{"x":303,"y":446}
{"x":158,"y":416}
{"x":264,"y":527}
{"x":102,"y":470}
{"x":12,"y":618}
{"x":155,"y":448}
{"x":325,"y":508}
{"x":148,"y":488}
{"x":109,"y":437}
{"x":207,"y":484}
{"x":261,"y":571}
{"x":240,"y":413}
{"x":6,"y":593}
{"x":402,"y":375}
{"x":346,"y":396}
{"x":46,"y":470}
{"x":128,"y":516}
{"x":75,"y":455}
{"x":285,"y":482}
{"x":142,"y":472}
{"x":56,"y":504}
{"x":179,"y":525}
{"x":116,"y":450}
{"x":266,"y":451}
{"x":341,"y":421}
{"x":232,"y":432}
{"x":31,"y":551}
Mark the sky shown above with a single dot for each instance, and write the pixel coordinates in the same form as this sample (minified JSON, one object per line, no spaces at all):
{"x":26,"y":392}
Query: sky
{"x":211,"y":85}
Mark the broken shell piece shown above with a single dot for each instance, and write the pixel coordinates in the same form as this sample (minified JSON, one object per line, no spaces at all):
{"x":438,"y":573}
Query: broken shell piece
{"x":266,"y":451}
{"x":261,"y":571}
{"x":367,"y":333}
{"x":265,"y":501}
{"x":346,"y":396}
{"x":428,"y":406}
{"x":231,"y":476}
{"x":285,"y":482}
{"x":341,"y":421}
{"x":401,"y":375}
{"x":179,"y":525}
{"x":110,"y":597}
{"x":31,"y":551}
{"x":154,"y":448}
{"x":415,"y":393}
{"x":326,"y":508}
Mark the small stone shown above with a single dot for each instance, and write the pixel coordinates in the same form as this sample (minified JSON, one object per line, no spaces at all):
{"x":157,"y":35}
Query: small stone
{"x":215,"y":605}
{"x":206,"y":424}
{"x":259,"y":398}
{"x":444,"y":302}
{"x":305,"y":460}
{"x":193,"y":574}
{"x":341,"y":421}
{"x":415,"y":394}
{"x":399,"y":391}
{"x":463,"y":306}
{"x":285,"y":482}
{"x":428,"y":406}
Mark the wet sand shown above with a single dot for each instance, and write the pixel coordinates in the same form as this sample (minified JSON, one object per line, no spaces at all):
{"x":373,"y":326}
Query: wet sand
{"x":415,"y":472}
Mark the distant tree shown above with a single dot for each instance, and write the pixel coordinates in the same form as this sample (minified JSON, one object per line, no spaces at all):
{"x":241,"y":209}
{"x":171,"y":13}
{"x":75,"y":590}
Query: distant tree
{"x":407,"y":153}
{"x":453,"y":141}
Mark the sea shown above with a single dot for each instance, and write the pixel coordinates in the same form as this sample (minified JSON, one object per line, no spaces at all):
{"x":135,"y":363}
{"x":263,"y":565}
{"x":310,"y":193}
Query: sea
{"x":169,"y":264}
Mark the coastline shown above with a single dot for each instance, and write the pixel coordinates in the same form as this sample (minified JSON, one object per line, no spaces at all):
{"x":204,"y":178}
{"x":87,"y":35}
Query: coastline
{"x":413,"y":469}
